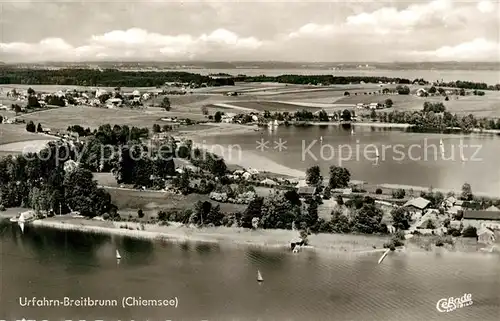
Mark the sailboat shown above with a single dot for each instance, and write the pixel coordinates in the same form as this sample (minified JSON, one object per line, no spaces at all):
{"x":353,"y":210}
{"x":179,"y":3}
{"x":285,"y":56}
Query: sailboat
{"x":352,"y":131}
{"x":321,"y":138}
{"x":259,"y":277}
{"x":276,"y":122}
{"x":441,"y":147}
{"x":376,"y":152}
{"x":118,"y":256}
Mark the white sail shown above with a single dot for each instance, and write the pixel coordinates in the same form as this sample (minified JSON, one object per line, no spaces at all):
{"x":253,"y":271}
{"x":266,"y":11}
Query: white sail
{"x":276,"y":123}
{"x":21,"y":225}
{"x":321,"y":138}
{"x":352,"y":131}
{"x":118,"y":256}
{"x":259,"y":276}
{"x":270,"y":124}
{"x":441,"y":146}
{"x":376,"y":152}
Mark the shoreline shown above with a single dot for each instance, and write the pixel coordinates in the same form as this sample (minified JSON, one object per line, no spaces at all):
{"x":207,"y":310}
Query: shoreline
{"x":274,"y":239}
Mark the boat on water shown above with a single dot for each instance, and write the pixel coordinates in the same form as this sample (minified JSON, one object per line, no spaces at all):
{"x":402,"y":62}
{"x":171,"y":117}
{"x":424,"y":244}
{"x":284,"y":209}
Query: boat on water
{"x":118,"y":256}
{"x":259,"y":277}
{"x":276,"y":123}
{"x":383,"y":256}
{"x":441,"y":147}
{"x":376,"y":152}
{"x":15,"y":219}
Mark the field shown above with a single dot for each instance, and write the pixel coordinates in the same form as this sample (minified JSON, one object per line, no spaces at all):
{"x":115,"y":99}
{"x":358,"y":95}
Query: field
{"x":11,"y":133}
{"x":151,"y":202}
{"x":60,"y":119}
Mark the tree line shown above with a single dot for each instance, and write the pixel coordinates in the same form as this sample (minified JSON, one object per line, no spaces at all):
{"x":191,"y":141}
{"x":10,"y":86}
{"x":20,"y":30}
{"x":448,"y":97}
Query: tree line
{"x":43,"y":183}
{"x":105,"y":78}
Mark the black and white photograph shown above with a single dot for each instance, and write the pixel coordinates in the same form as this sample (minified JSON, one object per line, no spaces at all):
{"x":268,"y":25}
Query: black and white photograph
{"x":279,"y":160}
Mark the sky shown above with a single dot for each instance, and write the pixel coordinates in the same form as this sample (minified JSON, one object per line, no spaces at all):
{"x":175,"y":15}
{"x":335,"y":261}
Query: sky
{"x":305,"y":31}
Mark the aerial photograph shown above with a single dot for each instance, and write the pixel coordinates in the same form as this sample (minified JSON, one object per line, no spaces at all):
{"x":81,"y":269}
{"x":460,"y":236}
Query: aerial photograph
{"x":199,"y":160}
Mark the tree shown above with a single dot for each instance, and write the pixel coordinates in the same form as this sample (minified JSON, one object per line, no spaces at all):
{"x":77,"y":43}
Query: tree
{"x":339,"y":177}
{"x":340,"y":200}
{"x":293,"y":197}
{"x":253,"y":210}
{"x":140,"y":213}
{"x":466,"y":192}
{"x":339,"y":222}
{"x":1,"y":119}
{"x":367,"y":219}
{"x":17,"y":109}
{"x":165,"y":103}
{"x":31,"y":127}
{"x":399,"y":193}
{"x":31,"y":91}
{"x":432,"y":90}
{"x":156,"y":128}
{"x":39,"y":128}
{"x":388,"y":103}
{"x":313,"y":175}
{"x":469,"y":231}
{"x":373,"y":114}
{"x":346,"y":115}
{"x":403,"y":90}
{"x":218,"y":117}
{"x":401,"y":218}
{"x":33,"y":102}
{"x":327,"y":193}
{"x":346,"y":93}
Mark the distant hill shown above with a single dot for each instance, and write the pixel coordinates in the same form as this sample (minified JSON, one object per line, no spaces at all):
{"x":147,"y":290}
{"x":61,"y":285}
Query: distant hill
{"x":156,"y":65}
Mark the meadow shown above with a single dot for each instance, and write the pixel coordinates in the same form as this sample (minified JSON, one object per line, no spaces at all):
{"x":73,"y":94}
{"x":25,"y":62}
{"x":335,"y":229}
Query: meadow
{"x":93,"y":117}
{"x":13,"y":133}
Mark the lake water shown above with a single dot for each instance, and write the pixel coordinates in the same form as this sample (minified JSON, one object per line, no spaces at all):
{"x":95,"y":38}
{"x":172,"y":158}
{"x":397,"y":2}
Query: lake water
{"x":490,"y":77}
{"x":218,"y":283}
{"x":404,"y":158}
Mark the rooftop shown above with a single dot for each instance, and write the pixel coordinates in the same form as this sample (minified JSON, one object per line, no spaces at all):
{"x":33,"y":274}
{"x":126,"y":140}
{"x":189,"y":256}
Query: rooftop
{"x":482,"y":215}
{"x":309,"y":190}
{"x":418,"y":202}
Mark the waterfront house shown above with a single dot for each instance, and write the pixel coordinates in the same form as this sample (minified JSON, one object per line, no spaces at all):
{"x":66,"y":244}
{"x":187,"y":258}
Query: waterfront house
{"x":113,"y":102}
{"x":485,"y":236}
{"x":306,"y":191}
{"x":417,"y":204}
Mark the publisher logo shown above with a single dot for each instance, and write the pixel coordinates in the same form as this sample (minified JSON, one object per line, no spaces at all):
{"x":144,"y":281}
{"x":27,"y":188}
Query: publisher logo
{"x":451,"y":304}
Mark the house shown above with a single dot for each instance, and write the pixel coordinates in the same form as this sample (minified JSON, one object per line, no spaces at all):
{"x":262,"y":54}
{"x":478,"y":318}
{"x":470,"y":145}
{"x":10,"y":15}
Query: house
{"x":449,"y":202}
{"x":113,"y":102}
{"x":483,"y":215}
{"x":418,"y":203}
{"x":46,"y":130}
{"x":492,"y":208}
{"x":306,"y":191}
{"x":136,"y":94}
{"x":246,"y":175}
{"x":100,"y":92}
{"x":485,"y":236}
{"x":268,"y":181}
{"x":428,"y":220}
{"x":373,"y":106}
{"x":421,"y":92}
{"x":456,"y":225}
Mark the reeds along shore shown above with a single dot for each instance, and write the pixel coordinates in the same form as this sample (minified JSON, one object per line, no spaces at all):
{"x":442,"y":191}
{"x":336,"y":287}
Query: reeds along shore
{"x":278,"y":239}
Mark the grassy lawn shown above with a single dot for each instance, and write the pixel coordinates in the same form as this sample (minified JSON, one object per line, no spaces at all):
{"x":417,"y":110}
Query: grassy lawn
{"x":271,"y":106}
{"x":129,"y":201}
{"x":12,"y":133}
{"x":61,"y":118}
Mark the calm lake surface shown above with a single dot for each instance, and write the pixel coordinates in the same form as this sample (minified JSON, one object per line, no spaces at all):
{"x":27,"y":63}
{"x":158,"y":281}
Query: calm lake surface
{"x":404,"y":158}
{"x":219,"y":283}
